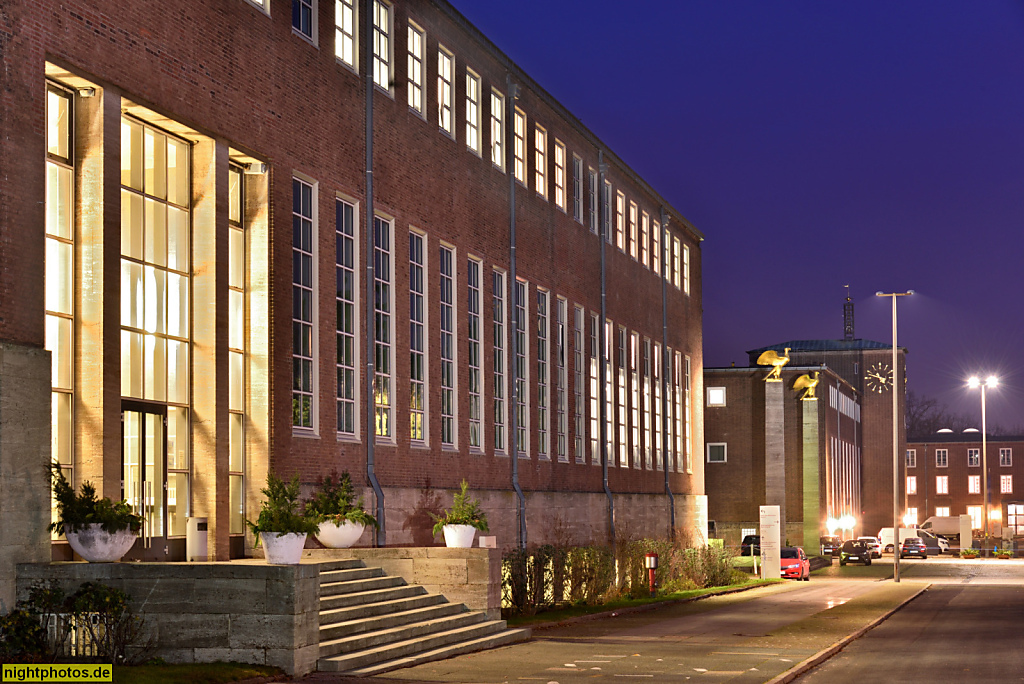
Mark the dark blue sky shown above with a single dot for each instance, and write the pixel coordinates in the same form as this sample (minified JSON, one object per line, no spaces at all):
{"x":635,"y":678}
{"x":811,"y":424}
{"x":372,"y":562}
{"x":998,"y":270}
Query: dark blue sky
{"x":875,"y":144}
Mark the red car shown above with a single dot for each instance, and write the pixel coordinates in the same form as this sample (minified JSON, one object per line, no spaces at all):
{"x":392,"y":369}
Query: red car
{"x":795,"y":563}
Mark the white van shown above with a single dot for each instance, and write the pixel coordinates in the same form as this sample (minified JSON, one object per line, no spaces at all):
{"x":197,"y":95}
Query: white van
{"x":939,"y":544}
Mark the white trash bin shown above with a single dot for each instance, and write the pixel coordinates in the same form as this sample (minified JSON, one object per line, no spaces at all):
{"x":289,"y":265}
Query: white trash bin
{"x":196,"y":548}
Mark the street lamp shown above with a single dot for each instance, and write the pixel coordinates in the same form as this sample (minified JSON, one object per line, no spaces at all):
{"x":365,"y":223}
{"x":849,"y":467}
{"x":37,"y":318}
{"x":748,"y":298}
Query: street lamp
{"x":974,"y":382}
{"x":895,"y":442}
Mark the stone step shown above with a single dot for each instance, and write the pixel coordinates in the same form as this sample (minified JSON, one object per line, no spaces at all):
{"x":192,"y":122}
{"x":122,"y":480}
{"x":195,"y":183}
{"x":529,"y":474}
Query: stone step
{"x":338,"y":630}
{"x":341,"y":564}
{"x":502,"y":638}
{"x":403,"y":649}
{"x":348,"y":574}
{"x":369,"y":597}
{"x":391,"y":635}
{"x":360,"y":585}
{"x":359,"y":612}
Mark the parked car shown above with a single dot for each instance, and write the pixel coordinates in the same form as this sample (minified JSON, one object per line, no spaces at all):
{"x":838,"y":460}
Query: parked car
{"x":794,"y":563}
{"x":855,"y":551}
{"x":913,"y":546}
{"x":874,"y":545}
{"x":751,"y":541}
{"x":936,"y":545}
{"x":830,"y":546}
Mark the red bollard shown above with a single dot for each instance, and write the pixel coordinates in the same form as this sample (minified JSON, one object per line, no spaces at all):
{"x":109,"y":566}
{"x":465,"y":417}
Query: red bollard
{"x":651,"y":563}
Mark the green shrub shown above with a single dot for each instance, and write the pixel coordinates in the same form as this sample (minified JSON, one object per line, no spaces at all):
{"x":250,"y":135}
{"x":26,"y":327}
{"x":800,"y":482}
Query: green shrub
{"x":465,"y":510}
{"x":75,"y":511}
{"x":280,"y":511}
{"x":333,"y":502}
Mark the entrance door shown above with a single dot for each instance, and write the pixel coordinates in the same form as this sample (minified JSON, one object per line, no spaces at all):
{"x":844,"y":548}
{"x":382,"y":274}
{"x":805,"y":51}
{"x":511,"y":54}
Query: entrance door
{"x":144,"y":477}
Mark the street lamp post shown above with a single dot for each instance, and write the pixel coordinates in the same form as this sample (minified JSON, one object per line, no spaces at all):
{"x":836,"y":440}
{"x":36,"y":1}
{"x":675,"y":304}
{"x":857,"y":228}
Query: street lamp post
{"x":974,"y":382}
{"x":895,"y":442}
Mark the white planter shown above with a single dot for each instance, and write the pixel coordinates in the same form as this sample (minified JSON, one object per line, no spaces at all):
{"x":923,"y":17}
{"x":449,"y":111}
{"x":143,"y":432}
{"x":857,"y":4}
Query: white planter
{"x":97,"y":546}
{"x":459,"y":536}
{"x":339,"y":536}
{"x":282,"y":549}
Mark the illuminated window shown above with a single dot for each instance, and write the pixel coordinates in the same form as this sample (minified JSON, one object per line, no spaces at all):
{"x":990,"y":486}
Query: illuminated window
{"x":383,"y":277}
{"x":345,"y":31}
{"x":717,"y":452}
{"x":676,"y":262}
{"x":609,"y":395}
{"x":911,"y":517}
{"x":942,"y":511}
{"x":1006,"y":458}
{"x":474,"y":306}
{"x":716,"y":396}
{"x":621,"y":388}
{"x":445,"y":71}
{"x":382,"y":44}
{"x":577,"y":189}
{"x":942,"y":484}
{"x":976,"y":516}
{"x":911,"y":458}
{"x":634,"y":372}
{"x":1006,"y":484}
{"x":645,"y":229}
{"x":686,"y":427}
{"x":304,"y":308}
{"x":540,"y":160}
{"x":345,"y":271}
{"x":236,"y":349}
{"x":595,"y":425}
{"x":973,"y":458}
{"x":417,"y":339}
{"x":416,"y":77}
{"x":448,"y":375}
{"x":1015,"y":518}
{"x":521,"y":373}
{"x":941,"y":458}
{"x":561,"y":379}
{"x":633,"y":246}
{"x":519,"y":151}
{"x":974,"y":484}
{"x":543,"y":372}
{"x":656,"y":255}
{"x":304,"y":18}
{"x":686,"y":269}
{"x":659,"y":427}
{"x":473,"y":111}
{"x":620,"y":223}
{"x":498,"y":318}
{"x":911,"y":484}
{"x":578,"y":385}
{"x":648,"y":409}
{"x":497,"y":129}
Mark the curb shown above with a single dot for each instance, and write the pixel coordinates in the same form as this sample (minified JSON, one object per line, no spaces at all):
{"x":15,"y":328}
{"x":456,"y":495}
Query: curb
{"x":823,"y":655}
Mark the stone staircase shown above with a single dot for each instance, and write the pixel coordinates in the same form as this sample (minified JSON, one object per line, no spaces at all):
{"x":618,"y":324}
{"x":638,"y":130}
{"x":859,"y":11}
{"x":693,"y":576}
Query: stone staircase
{"x":372,"y":623}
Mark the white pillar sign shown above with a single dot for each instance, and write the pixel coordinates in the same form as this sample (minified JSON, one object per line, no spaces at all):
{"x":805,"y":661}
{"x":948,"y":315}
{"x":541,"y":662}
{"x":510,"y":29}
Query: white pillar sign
{"x":770,"y":547}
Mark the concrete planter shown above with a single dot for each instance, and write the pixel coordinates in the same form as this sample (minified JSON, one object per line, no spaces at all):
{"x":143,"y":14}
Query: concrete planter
{"x":339,"y":536}
{"x":98,"y":546}
{"x":282,"y":549}
{"x":459,"y":536}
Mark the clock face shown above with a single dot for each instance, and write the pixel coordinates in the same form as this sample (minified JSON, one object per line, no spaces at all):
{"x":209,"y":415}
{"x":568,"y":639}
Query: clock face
{"x":878,"y":378}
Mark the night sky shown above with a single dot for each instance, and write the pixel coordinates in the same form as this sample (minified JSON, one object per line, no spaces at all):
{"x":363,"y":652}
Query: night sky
{"x":878,"y":145}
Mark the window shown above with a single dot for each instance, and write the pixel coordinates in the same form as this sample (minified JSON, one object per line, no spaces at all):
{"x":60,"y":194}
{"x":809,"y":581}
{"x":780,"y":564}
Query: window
{"x":609,"y":395}
{"x":577,"y":189}
{"x":417,"y":339}
{"x":606,"y":209}
{"x":562,"y":379}
{"x":942,"y":484}
{"x":645,"y":229}
{"x":941,"y":458}
{"x":973,"y":458}
{"x":656,"y":247}
{"x":633,"y":246}
{"x":60,"y":274}
{"x":416,"y":76}
{"x":1006,"y":484}
{"x":634,"y":368}
{"x":498,"y":311}
{"x":595,"y":454}
{"x":687,"y":427}
{"x":447,"y":268}
{"x":942,"y":511}
{"x":578,"y":384}
{"x":540,"y":161}
{"x":304,"y":305}
{"x":976,"y":515}
{"x":559,"y":175}
{"x":592,"y":177}
{"x":911,"y":516}
{"x":911,"y":484}
{"x":445,"y":70}
{"x":716,"y":396}
{"x":543,"y":381}
{"x":686,"y":269}
{"x":519,"y":151}
{"x":383,"y":277}
{"x":1015,"y":518}
{"x":672,"y":393}
{"x":676,"y":265}
{"x":345,"y":31}
{"x":304,"y":18}
{"x":521,"y":371}
{"x":1005,"y":458}
{"x":911,"y":458}
{"x":974,"y":484}
{"x":347,"y":316}
{"x":497,"y":129}
{"x":716,"y":452}
{"x":236,"y":351}
{"x":646,"y":398}
{"x":659,"y":427}
{"x":621,"y":398}
{"x":472,"y":111}
{"x":382,"y":45}
{"x":620,"y":223}
{"x":474,"y":307}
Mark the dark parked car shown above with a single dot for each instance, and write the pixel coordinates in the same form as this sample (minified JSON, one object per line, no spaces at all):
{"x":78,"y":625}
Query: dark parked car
{"x":751,"y":541}
{"x":855,"y":551}
{"x":913,"y":546}
{"x":830,"y":546}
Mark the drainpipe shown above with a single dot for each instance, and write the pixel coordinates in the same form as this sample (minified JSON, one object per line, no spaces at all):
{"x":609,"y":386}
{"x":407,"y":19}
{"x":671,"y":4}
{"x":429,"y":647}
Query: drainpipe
{"x":513,"y":92}
{"x":603,"y":431}
{"x":371,"y":429}
{"x":664,"y":374}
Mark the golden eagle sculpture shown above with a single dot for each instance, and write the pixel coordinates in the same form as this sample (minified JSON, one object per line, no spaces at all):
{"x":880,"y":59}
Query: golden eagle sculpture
{"x":807,"y":382}
{"x":772,"y":358}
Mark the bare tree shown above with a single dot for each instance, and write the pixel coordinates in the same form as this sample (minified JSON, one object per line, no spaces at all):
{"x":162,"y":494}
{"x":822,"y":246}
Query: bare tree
{"x":927,"y":416}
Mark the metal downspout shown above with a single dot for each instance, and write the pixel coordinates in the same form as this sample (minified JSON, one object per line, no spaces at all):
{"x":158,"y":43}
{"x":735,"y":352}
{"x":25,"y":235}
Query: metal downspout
{"x":371,"y":425}
{"x":603,"y":431}
{"x":664,"y":375}
{"x":513,"y":289}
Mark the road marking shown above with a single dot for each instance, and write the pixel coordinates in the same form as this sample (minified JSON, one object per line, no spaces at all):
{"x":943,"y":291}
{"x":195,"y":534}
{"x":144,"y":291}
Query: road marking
{"x":742,"y":653}
{"x":632,"y":675}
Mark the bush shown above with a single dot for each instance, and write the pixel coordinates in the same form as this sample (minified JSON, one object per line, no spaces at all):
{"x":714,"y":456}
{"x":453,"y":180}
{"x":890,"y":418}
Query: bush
{"x":549,"y":576}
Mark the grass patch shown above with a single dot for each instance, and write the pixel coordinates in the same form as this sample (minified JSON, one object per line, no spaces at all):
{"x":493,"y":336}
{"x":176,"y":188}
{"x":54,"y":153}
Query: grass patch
{"x":195,"y":673}
{"x":579,"y":611}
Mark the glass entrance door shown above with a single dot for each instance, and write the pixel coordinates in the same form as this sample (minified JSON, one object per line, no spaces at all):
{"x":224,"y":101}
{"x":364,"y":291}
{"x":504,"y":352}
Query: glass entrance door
{"x":144,"y":476}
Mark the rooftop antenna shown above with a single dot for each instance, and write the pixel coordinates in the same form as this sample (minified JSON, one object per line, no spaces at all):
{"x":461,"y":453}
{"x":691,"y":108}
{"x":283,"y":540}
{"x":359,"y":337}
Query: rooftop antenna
{"x":848,"y":316}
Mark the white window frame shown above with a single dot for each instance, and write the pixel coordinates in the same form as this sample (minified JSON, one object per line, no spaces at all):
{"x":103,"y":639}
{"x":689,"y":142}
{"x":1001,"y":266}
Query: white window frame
{"x":475,"y":337}
{"x":716,"y":396}
{"x":1006,"y":484}
{"x":911,"y":458}
{"x":725,"y":452}
{"x":419,"y":324}
{"x":521,"y":367}
{"x":383,"y":46}
{"x":974,"y":484}
{"x":942,"y":511}
{"x":645,"y":231}
{"x":974,"y":458}
{"x":686,"y":269}
{"x":579,"y":385}
{"x":976,"y":517}
{"x":592,"y":182}
{"x":634,"y":394}
{"x":1005,"y":457}
{"x":355,"y":304}
{"x":388,"y":347}
{"x":445,"y":91}
{"x":561,"y":380}
{"x":519,"y":145}
{"x":543,"y":359}
{"x":499,"y":376}
{"x":942,"y":484}
{"x":346,"y":36}
{"x":540,"y":161}
{"x":941,"y":458}
{"x":656,"y":256}
{"x":634,"y":240}
{"x":498,"y":129}
{"x":620,"y":221}
{"x":416,"y":67}
{"x":297,"y":30}
{"x":473,"y":109}
{"x":559,"y":174}
{"x":313,"y":429}
{"x":577,"y":189}
{"x":449,"y":351}
{"x":620,"y":395}
{"x":911,"y":484}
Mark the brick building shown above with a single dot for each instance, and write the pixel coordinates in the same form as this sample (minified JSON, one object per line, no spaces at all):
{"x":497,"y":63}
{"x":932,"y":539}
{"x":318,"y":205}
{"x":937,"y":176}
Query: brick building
{"x":944,"y":478}
{"x":818,"y":474}
{"x":188,"y":228}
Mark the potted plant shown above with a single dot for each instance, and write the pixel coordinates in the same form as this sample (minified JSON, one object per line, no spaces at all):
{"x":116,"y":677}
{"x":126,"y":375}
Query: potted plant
{"x":460,"y":522}
{"x":341,"y":521}
{"x":281,"y":528}
{"x":98,"y":530}
{"x":968,"y":553}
